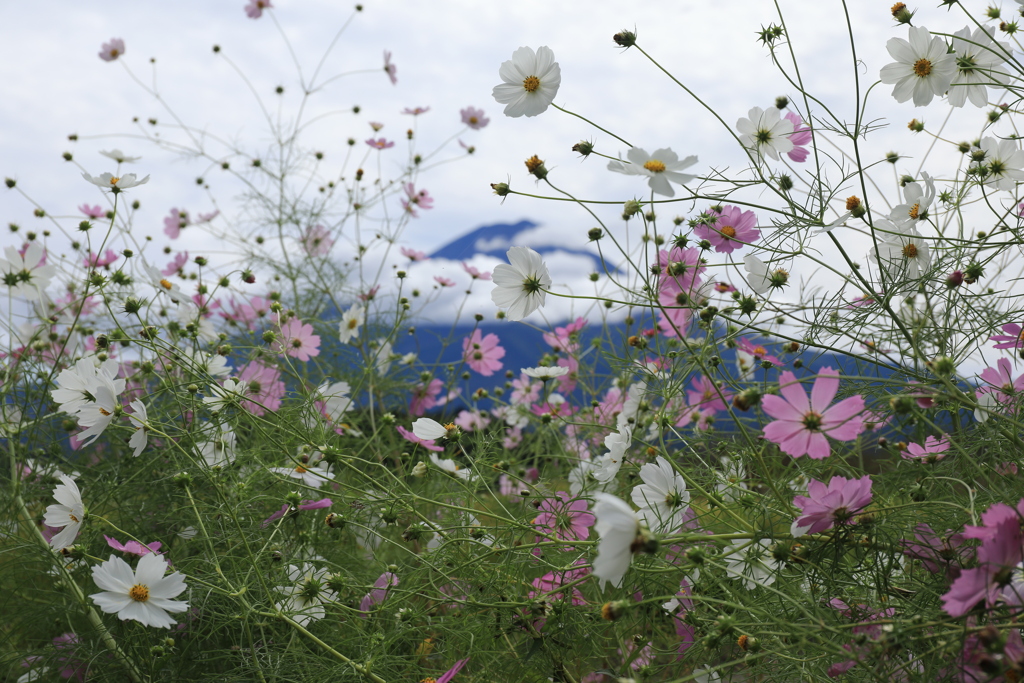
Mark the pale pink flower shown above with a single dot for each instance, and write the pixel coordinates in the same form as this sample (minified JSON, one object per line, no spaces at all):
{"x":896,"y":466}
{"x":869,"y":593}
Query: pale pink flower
{"x":112,"y":50}
{"x":303,"y":505}
{"x":728,"y":229}
{"x":1014,"y":337}
{"x":390,"y":69}
{"x":262,"y":387}
{"x":175,"y":265}
{"x":525,"y":390}
{"x":474,"y":118}
{"x":1002,"y":383}
{"x":133,"y":547}
{"x":379,"y":593}
{"x":482,"y":353}
{"x":426,"y":443}
{"x":472,"y":420}
{"x":825,"y":506}
{"x":97,"y":261}
{"x":92,"y":211}
{"x":248,"y":314}
{"x":443,"y":281}
{"x":316,"y":240}
{"x":800,"y":424}
{"x":416,"y":199}
{"x":933,"y":450}
{"x":475,"y":273}
{"x":800,"y":137}
{"x":297,"y":340}
{"x":380,"y":143}
{"x":569,"y":520}
{"x":705,"y":395}
{"x":566,"y":339}
{"x":254,"y":10}
{"x":414,"y":255}
{"x":415,"y":111}
{"x":425,"y":397}
{"x":174,"y":223}
{"x":758,"y":351}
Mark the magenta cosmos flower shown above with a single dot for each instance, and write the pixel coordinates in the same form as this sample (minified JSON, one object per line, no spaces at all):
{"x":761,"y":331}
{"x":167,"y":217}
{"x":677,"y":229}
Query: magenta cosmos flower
{"x":112,"y":50}
{"x":1002,"y":548}
{"x":800,"y":424}
{"x":825,"y":506}
{"x":728,"y":229}
{"x":1002,"y":384}
{"x":297,"y":340}
{"x":1014,"y":337}
{"x":933,"y":450}
{"x":566,"y":519}
{"x":482,"y":353}
{"x":379,"y":593}
{"x":800,"y":137}
{"x":262,"y":387}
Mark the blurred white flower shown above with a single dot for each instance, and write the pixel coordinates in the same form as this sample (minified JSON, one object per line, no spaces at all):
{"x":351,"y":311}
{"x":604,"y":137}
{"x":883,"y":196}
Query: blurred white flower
{"x":139,"y":419}
{"x":618,"y":527}
{"x":119,"y":156}
{"x":451,"y":467}
{"x":115,"y":183}
{"x":519,"y":287}
{"x":662,"y":497}
{"x":27,"y":276}
{"x":751,"y":562}
{"x":531,"y":81}
{"x":218,"y":449}
{"x":348,"y":328}
{"x":144,"y":594}
{"x":544,"y":373}
{"x":305,"y":594}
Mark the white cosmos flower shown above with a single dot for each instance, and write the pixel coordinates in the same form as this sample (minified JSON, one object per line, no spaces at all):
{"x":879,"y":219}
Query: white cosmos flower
{"x":543,"y":373}
{"x":314,"y":472}
{"x":902,"y":252}
{"x":143,"y":595}
{"x":26,"y":276}
{"x":348,"y":328}
{"x":978,"y":60}
{"x":662,"y":498}
{"x":629,"y":416}
{"x":918,"y":200}
{"x":224,"y":395}
{"x":212,"y":364}
{"x":96,"y":415}
{"x":139,"y":419}
{"x":305,"y":594}
{"x":163,"y":285}
{"x":923,"y":69}
{"x":988,"y":405}
{"x":75,"y":386}
{"x":766,"y":132}
{"x":383,"y":356}
{"x":758,"y":276}
{"x":618,"y":527}
{"x":582,"y":477}
{"x":428,"y":430}
{"x":660,"y":167}
{"x":67,"y":514}
{"x":115,"y":183}
{"x":336,"y":399}
{"x":1003,"y":163}
{"x":519,"y":287}
{"x":531,"y":81}
{"x":751,"y":562}
{"x":451,"y":467}
{"x":218,"y":450}
{"x":608,"y":465}
{"x":119,"y":156}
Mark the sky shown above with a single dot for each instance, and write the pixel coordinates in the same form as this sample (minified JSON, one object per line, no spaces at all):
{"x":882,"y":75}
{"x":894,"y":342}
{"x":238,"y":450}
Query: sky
{"x":447,"y":54}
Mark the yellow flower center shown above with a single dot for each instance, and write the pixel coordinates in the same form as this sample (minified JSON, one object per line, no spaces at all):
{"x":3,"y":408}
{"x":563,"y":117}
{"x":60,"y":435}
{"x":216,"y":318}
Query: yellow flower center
{"x":105,"y":413}
{"x":114,"y":181}
{"x":922,"y":67}
{"x":910,"y":251}
{"x":353,"y":324}
{"x":139,"y":593}
{"x":727,"y":231}
{"x":655,"y":166}
{"x":915,"y":211}
{"x":760,"y":351}
{"x":166,"y":284}
{"x":852,"y":202}
{"x":300,"y":469}
{"x":531,"y":83}
{"x":473,"y":120}
{"x":73,"y":518}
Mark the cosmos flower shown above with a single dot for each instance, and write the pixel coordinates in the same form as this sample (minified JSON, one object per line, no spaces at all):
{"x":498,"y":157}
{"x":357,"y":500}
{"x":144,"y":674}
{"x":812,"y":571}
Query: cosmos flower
{"x":978,"y":60}
{"x":143,"y":595}
{"x":662,"y":497}
{"x":618,"y":527}
{"x":305,"y":593}
{"x":112,"y":50}
{"x":825,"y":506}
{"x":923,"y":68}
{"x":800,"y":424}
{"x":390,"y":69}
{"x":67,"y":514}
{"x":348,"y":328}
{"x":660,"y":166}
{"x":765,"y":132}
{"x":530,"y":82}
{"x":115,"y":183}
{"x":474,"y":118}
{"x":728,"y":228}
{"x":483,"y":353}
{"x":26,"y":274}
{"x":519,"y":287}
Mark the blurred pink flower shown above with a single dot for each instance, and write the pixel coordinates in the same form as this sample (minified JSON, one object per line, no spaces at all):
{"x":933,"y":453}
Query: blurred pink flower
{"x":475,"y":273}
{"x":425,"y":397}
{"x":379,"y":143}
{"x":254,"y":10}
{"x":800,"y":136}
{"x":482,"y":353}
{"x":176,"y":264}
{"x":92,"y":211}
{"x":303,"y":505}
{"x":297,"y":340}
{"x":133,"y":547}
{"x":415,"y":111}
{"x":175,"y":222}
{"x":426,"y":443}
{"x":800,"y":425}
{"x":414,"y":255}
{"x":474,"y":118}
{"x":390,"y":69}
{"x":569,"y":520}
{"x":379,"y":593}
{"x":415,"y":200}
{"x":705,"y":395}
{"x":112,"y":50}
{"x":1013,"y":339}
{"x":443,"y":281}
{"x":97,"y":261}
{"x":933,"y":450}
{"x":757,"y":351}
{"x":316,"y":240}
{"x":825,"y":506}
{"x":262,"y":386}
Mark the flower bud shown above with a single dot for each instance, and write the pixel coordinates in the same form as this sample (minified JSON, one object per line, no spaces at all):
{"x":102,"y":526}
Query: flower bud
{"x":420,"y":469}
{"x":535,"y":166}
{"x":630,"y":209}
{"x":610,"y":611}
{"x":625,"y":39}
{"x":746,"y":399}
{"x":595,"y":234}
{"x":901,"y":14}
{"x":500,"y":189}
{"x":915,"y":125}
{"x":334,"y":520}
{"x":583,"y":147}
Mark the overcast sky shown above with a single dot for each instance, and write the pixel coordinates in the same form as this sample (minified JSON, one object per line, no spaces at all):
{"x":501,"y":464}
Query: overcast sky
{"x":447,"y":53}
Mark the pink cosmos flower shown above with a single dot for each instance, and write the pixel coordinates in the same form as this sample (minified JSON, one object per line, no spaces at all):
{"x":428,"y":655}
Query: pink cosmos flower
{"x":757,"y":351}
{"x":174,"y":223}
{"x":369,"y":294}
{"x":450,"y":673}
{"x":513,"y":437}
{"x":472,"y":420}
{"x":474,"y":118}
{"x":524,"y":390}
{"x":133,"y":547}
{"x":705,"y":395}
{"x":390,"y":69}
{"x":483,"y":354}
{"x":112,"y":50}
{"x":569,"y":520}
{"x":566,"y":339}
{"x":800,"y":137}
{"x":1001,"y":550}
{"x":248,"y":314}
{"x":933,"y":450}
{"x":379,"y":143}
{"x":415,"y":111}
{"x":475,"y":273}
{"x":680,"y":277}
{"x":547,"y":585}
{"x":207,"y":217}
{"x":254,"y":10}
{"x":263,"y":387}
{"x":724,"y":288}
{"x":1001,"y":382}
{"x":420,"y":199}
{"x":92,"y":211}
{"x":1013,"y":339}
{"x":414,"y":255}
{"x":297,"y":340}
{"x":316,"y":240}
{"x":426,"y":443}
{"x":303,"y":505}
{"x":379,"y":593}
{"x":800,"y":425}
{"x":730,"y":229}
{"x":443,"y":281}
{"x":424,"y":397}
{"x":175,"y":265}
{"x":937,"y":553}
{"x":836,"y":503}
{"x":97,"y":261}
